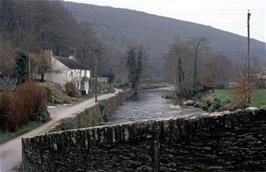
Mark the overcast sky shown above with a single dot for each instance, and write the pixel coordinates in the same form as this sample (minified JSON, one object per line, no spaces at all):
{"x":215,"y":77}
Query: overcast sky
{"x":228,"y":15}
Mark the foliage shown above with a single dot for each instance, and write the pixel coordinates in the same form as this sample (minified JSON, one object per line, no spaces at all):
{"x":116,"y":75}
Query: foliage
{"x":244,"y":90}
{"x":135,"y":68}
{"x":210,"y":103}
{"x":6,"y":106}
{"x":27,"y":103}
{"x":103,"y":105}
{"x":22,"y":67}
{"x":71,"y":89}
{"x":65,"y":124}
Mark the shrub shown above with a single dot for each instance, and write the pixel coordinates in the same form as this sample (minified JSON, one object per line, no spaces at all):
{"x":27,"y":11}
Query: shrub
{"x":103,"y":104}
{"x":244,"y":91}
{"x":71,"y":89}
{"x":27,"y":103}
{"x":216,"y":105}
{"x":83,"y":92}
{"x":65,"y":124}
{"x":31,"y":99}
{"x":6,"y":105}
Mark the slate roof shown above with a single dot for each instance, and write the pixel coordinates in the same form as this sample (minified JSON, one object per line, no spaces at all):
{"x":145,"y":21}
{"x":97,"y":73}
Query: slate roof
{"x":71,"y":63}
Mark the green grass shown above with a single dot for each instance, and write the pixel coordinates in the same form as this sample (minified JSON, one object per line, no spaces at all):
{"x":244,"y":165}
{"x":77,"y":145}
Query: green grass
{"x":259,"y":100}
{"x":225,"y":95}
{"x":6,"y":136}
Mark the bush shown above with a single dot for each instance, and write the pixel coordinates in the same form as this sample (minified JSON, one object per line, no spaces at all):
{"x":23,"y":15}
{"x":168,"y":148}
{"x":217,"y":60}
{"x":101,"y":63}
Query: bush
{"x":71,"y":89}
{"x":65,"y":124}
{"x":27,"y":103}
{"x":216,"y":104}
{"x":103,"y":104}
{"x":244,"y":91}
{"x":83,"y":92}
{"x":6,"y":105}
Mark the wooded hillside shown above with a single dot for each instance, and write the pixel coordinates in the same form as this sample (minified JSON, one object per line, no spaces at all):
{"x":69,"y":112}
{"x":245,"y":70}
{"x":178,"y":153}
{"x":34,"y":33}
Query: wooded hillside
{"x":120,"y":28}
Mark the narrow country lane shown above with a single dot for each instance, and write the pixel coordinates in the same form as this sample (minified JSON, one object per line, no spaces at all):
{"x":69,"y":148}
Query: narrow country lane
{"x":11,"y":152}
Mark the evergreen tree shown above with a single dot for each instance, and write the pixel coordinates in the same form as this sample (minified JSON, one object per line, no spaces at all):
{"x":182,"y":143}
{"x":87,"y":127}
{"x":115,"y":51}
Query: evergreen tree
{"x":135,"y":68}
{"x":131,"y":65}
{"x":22,"y":67}
{"x":139,"y":67}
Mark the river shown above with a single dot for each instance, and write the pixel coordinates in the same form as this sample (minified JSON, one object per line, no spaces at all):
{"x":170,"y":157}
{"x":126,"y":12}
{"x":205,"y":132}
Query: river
{"x":148,"y":104}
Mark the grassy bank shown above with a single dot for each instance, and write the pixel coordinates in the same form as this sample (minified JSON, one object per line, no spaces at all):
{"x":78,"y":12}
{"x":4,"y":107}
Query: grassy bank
{"x":225,"y":99}
{"x":259,"y":99}
{"x":6,"y":136}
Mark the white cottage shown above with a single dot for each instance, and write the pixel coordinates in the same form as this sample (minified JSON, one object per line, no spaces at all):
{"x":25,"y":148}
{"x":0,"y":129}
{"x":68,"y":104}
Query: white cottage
{"x":69,"y":70}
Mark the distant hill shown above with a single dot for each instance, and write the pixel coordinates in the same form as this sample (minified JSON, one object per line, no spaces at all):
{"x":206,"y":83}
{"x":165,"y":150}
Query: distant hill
{"x":121,"y":27}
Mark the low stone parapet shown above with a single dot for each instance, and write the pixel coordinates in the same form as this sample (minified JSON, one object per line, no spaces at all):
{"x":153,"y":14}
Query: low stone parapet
{"x":224,"y":141}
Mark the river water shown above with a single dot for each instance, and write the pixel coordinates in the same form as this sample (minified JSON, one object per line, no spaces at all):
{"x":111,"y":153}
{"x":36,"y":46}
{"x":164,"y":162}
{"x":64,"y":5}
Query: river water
{"x":148,"y":104}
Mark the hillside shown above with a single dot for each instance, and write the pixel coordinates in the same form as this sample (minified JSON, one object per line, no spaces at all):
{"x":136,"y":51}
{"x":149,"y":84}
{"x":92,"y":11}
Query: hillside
{"x":121,"y":27}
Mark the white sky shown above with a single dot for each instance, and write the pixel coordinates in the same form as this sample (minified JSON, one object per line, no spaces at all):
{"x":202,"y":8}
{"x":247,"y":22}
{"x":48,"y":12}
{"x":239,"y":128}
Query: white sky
{"x":228,"y":15}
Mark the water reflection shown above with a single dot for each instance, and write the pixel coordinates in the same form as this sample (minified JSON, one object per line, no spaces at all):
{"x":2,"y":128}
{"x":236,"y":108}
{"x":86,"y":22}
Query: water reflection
{"x":146,"y":105}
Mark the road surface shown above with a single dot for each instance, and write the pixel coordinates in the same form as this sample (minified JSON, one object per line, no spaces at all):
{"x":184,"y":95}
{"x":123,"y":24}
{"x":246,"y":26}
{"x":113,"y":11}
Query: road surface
{"x":10,"y":152}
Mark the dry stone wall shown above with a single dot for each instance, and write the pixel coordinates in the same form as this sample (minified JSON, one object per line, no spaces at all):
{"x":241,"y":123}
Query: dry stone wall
{"x":226,"y":141}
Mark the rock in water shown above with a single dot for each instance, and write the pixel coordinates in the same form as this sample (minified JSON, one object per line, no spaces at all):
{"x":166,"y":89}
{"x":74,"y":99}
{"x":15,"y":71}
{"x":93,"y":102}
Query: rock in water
{"x":174,"y":107}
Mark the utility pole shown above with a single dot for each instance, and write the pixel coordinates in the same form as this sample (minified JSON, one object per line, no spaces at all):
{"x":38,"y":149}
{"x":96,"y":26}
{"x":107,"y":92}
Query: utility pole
{"x":248,"y":55}
{"x":95,"y":77}
{"x":29,"y":67}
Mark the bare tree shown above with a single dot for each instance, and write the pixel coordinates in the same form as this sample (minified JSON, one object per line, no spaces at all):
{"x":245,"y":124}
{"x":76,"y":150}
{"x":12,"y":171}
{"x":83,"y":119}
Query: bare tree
{"x":7,"y":58}
{"x":199,"y":47}
{"x":217,"y":68}
{"x":40,"y":63}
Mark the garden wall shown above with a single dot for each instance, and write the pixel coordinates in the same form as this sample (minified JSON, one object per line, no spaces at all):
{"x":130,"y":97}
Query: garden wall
{"x":226,"y":141}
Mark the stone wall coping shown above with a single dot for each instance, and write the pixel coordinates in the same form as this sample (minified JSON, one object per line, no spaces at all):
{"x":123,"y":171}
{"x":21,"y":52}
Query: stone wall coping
{"x":146,"y":122}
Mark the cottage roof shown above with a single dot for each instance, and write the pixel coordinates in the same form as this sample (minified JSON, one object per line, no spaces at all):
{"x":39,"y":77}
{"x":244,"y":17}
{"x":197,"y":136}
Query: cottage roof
{"x":71,"y":63}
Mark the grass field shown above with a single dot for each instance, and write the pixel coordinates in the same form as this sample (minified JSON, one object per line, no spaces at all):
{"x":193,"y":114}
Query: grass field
{"x":259,"y":100}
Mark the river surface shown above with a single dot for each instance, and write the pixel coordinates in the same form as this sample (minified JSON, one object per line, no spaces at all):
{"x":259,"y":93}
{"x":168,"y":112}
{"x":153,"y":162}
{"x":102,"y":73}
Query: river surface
{"x":148,"y":104}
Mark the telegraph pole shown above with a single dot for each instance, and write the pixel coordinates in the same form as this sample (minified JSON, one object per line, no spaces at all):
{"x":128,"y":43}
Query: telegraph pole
{"x":248,"y":55}
{"x":95,"y":74}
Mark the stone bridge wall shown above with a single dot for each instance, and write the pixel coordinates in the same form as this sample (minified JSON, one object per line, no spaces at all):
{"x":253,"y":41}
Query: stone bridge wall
{"x":227,"y":141}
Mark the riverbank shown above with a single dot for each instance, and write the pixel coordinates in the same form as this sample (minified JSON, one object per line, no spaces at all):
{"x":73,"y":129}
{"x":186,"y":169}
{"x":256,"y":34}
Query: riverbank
{"x":220,"y":100}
